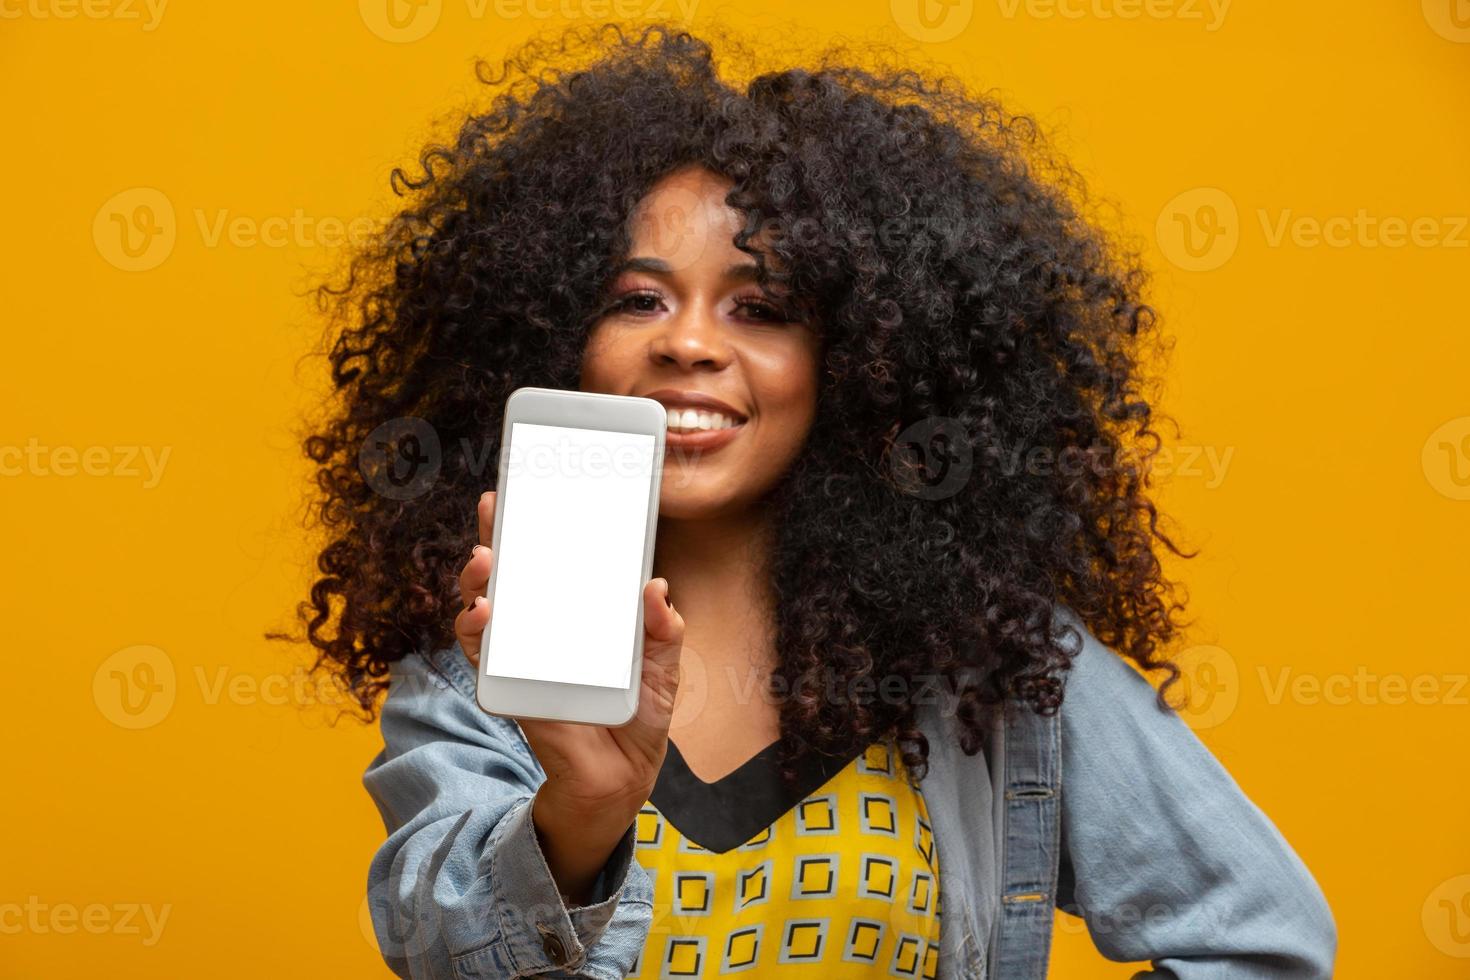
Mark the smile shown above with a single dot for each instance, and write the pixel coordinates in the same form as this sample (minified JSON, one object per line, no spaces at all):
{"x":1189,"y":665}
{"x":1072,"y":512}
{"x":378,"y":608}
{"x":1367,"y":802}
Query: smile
{"x":693,"y":420}
{"x":707,"y":430}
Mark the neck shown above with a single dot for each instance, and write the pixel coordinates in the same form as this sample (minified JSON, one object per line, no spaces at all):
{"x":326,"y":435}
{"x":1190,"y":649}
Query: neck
{"x":718,"y":580}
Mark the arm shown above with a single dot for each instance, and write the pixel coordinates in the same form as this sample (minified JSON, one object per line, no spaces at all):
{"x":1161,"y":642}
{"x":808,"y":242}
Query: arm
{"x":1163,"y":854}
{"x":461,"y":887}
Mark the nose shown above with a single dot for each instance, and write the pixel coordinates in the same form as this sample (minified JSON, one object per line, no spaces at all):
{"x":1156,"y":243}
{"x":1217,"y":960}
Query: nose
{"x":691,"y":338}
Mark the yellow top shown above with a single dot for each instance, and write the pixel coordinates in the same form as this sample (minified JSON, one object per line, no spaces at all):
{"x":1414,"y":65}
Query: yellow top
{"x":843,"y":883}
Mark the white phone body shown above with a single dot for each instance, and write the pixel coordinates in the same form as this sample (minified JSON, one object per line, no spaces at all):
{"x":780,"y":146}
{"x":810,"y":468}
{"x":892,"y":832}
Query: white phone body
{"x":576,"y":511}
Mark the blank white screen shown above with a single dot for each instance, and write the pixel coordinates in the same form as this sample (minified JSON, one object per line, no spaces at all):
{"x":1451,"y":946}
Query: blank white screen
{"x":569,"y":571}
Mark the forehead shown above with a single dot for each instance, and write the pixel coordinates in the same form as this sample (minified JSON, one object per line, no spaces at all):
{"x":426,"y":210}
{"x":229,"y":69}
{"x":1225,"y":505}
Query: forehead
{"x":689,"y":184}
{"x":684,"y":221}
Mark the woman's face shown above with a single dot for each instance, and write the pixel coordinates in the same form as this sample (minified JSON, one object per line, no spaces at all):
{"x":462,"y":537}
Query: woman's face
{"x":687,"y":320}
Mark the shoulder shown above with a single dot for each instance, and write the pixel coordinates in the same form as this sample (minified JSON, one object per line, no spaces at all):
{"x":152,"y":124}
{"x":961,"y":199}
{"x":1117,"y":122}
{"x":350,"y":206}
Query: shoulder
{"x":1152,"y":820}
{"x":1111,"y":723}
{"x":441,"y":670}
{"x":431,"y":697}
{"x":1100,"y":678}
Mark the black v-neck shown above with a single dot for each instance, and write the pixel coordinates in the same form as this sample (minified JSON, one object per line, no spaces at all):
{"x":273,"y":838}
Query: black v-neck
{"x":722,"y":815}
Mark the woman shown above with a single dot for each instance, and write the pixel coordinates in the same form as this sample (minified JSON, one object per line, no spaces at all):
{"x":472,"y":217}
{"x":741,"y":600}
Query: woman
{"x":866,"y":668}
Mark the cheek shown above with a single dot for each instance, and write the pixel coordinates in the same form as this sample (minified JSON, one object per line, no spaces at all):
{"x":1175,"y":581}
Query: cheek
{"x":601,"y":360}
{"x":788,"y":391}
{"x":792,"y":375}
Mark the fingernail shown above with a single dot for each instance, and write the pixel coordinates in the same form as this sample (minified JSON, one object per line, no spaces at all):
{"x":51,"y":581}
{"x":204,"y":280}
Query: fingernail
{"x":476,"y":549}
{"x":667,"y":602}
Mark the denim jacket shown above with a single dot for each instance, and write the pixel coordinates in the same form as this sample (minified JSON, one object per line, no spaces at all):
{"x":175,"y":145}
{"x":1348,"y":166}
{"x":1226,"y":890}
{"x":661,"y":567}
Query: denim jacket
{"x":1110,"y":809}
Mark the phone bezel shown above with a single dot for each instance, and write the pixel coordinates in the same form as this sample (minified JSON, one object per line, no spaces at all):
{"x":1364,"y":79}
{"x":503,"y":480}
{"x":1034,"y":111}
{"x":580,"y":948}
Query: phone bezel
{"x":519,"y":697}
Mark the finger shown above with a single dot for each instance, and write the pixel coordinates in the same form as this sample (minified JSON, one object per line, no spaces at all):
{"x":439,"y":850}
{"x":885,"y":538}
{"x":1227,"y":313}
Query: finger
{"x":470,"y":625}
{"x":661,"y":621}
{"x":663,"y":642}
{"x":487,"y":517}
{"x":474,"y":578}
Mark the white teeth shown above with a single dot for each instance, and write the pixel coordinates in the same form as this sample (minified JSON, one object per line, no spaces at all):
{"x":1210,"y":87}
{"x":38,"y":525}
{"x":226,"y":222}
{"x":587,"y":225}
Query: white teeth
{"x":696,"y":420}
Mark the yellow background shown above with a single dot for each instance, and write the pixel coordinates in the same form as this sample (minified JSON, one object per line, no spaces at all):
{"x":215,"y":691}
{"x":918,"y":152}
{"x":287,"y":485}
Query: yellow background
{"x":1326,"y":375}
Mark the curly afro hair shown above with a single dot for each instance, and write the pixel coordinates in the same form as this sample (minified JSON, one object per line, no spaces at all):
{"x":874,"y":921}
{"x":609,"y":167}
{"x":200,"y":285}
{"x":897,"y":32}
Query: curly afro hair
{"x":981,"y":451}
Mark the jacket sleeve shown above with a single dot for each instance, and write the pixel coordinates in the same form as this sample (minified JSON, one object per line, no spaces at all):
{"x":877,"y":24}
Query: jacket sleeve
{"x":1163,"y":855}
{"x":460,"y":888}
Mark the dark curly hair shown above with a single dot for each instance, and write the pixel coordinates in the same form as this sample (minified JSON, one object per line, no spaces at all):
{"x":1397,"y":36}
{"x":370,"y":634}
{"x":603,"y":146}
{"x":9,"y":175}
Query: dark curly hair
{"x":967,"y":307}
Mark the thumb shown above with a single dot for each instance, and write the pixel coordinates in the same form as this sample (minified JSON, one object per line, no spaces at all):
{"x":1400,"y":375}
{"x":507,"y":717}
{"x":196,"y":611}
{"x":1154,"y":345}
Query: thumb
{"x":663,"y":643}
{"x":663,"y":627}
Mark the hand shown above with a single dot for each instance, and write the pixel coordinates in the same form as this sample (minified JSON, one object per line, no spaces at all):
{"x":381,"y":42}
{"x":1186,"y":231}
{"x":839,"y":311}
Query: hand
{"x":596,"y":776}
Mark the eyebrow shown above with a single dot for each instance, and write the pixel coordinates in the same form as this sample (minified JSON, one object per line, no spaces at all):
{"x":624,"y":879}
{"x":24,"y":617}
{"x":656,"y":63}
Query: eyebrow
{"x":641,"y":263}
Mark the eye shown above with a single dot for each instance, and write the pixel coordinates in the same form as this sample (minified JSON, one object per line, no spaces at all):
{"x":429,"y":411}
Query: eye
{"x":763,"y":309}
{"x":638,"y":302}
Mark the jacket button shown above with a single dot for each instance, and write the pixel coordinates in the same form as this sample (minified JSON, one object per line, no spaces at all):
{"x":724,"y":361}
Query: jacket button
{"x":551,"y":944}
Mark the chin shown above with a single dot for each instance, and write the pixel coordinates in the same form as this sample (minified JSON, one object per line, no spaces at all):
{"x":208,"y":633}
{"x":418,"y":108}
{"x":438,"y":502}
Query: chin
{"x":692,"y":502}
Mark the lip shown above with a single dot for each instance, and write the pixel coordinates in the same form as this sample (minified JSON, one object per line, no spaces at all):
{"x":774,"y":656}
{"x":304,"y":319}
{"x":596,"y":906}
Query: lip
{"x":684,"y":398}
{"x":703,"y":440}
{"x":708,"y":439}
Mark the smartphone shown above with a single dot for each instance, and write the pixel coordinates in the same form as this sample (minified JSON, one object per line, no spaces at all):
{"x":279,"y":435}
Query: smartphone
{"x":576,"y":511}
